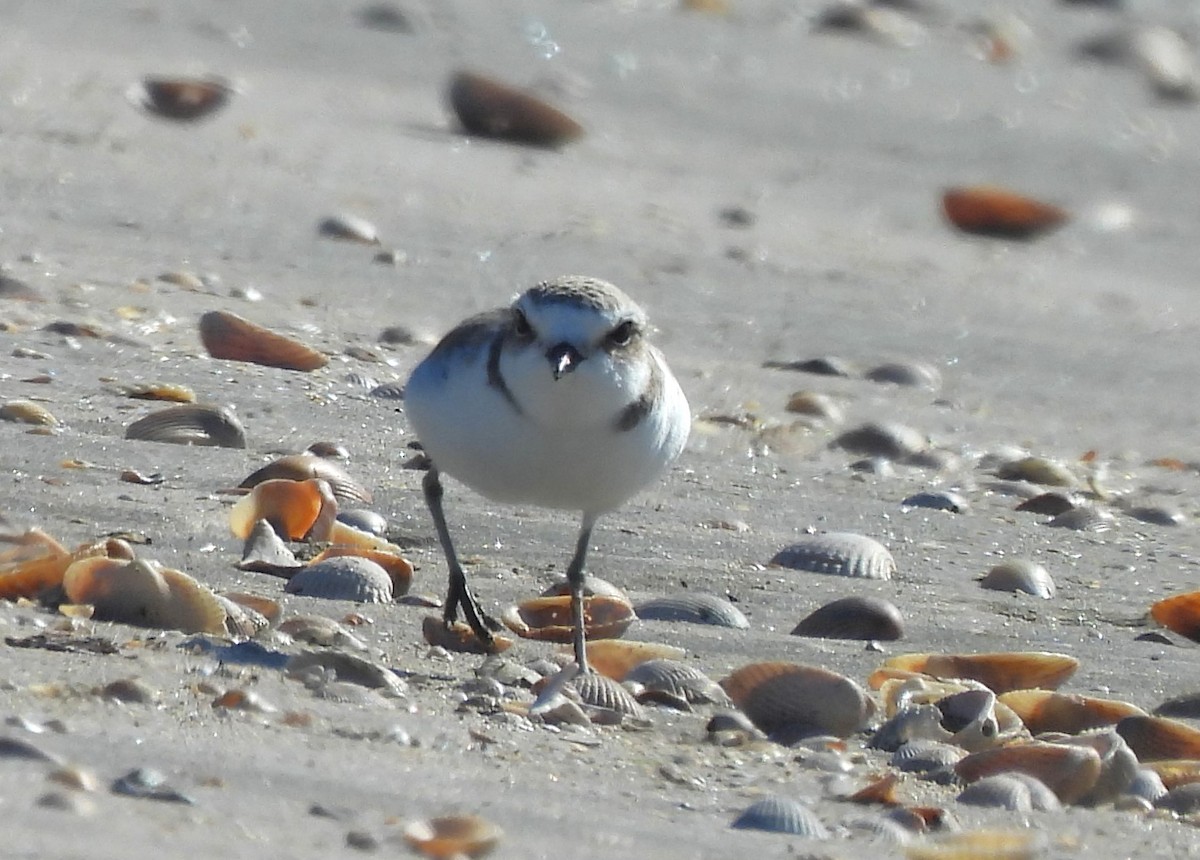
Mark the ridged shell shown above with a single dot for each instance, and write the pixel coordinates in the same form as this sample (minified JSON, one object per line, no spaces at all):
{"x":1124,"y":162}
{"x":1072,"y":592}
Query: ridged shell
{"x":857,"y":617}
{"x":1000,"y":672}
{"x":190,"y":424}
{"x":230,"y":337}
{"x":460,"y":638}
{"x":924,"y":756}
{"x":693,"y":608}
{"x":592,"y":585}
{"x":301,"y":467}
{"x":1159,"y":738}
{"x":1084,"y":518}
{"x":938,"y":500}
{"x":549,"y":618}
{"x":616,"y":658}
{"x":242,"y":622}
{"x":398,"y":568}
{"x":1179,"y":613}
{"x":840,"y":553}
{"x":1148,"y":785}
{"x":1046,"y":711}
{"x":453,"y":836}
{"x":598,"y":691}
{"x":488,"y":108}
{"x":1017,"y":792}
{"x":145,"y":594}
{"x":292,"y":508}
{"x":882,"y":439}
{"x":980,"y":845}
{"x":1020,"y":575}
{"x":678,"y":679}
{"x":776,"y":814}
{"x":791,"y":701}
{"x":181,"y":99}
{"x":1069,"y":771}
{"x":988,"y":210}
{"x":346,"y":577}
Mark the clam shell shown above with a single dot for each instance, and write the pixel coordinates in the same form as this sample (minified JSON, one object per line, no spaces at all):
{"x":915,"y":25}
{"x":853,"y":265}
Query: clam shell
{"x":980,"y":845}
{"x":988,"y":210}
{"x":924,"y":756}
{"x":617,"y":657}
{"x":1186,"y":706}
{"x":27,"y":412}
{"x":1050,"y":503}
{"x":453,"y":836}
{"x":1182,"y":800}
{"x":678,"y":679}
{"x":1157,"y":515}
{"x":347,"y":668}
{"x":1017,"y":792}
{"x":190,"y":424}
{"x":1159,"y":738}
{"x":791,"y":701}
{"x":488,"y":108}
{"x":776,"y":814}
{"x":349,"y":228}
{"x":1168,"y":62}
{"x":913,"y":374}
{"x":144,"y":593}
{"x":364,"y":520}
{"x":1179,"y":613}
{"x":1037,"y":470}
{"x":1000,"y":672}
{"x":1020,"y":575}
{"x":826,"y":365}
{"x":882,"y":439}
{"x":1069,"y":771}
{"x":460,"y":638}
{"x":1047,"y":711}
{"x":816,"y":405}
{"x":693,"y":608}
{"x":1173,"y":773}
{"x":398,"y":568}
{"x":840,"y":553}
{"x":181,"y":99}
{"x":162,"y":391}
{"x":343,"y":577}
{"x":857,"y":617}
{"x":38,"y":563}
{"x":939,"y":500}
{"x":301,"y":467}
{"x":291,"y":507}
{"x":229,"y":336}
{"x":549,"y":618}
{"x":1084,"y":518}
{"x":1118,"y":765}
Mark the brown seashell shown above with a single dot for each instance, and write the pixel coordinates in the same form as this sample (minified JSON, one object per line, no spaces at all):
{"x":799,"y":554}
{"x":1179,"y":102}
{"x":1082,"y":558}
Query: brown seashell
{"x":883,"y":439}
{"x":191,"y":424}
{"x":1047,"y":711}
{"x":1159,"y":738}
{"x":229,"y":336}
{"x":790,"y":701}
{"x":854,"y":617}
{"x":1051,"y":503}
{"x":980,"y":845}
{"x":488,"y":108}
{"x":615,"y":658}
{"x":301,"y":467}
{"x":1000,"y":673}
{"x":1068,"y":771}
{"x":162,"y":391}
{"x":988,"y":210}
{"x":271,"y":610}
{"x":453,"y":836}
{"x":398,"y":568}
{"x":144,"y":593}
{"x":549,"y":618}
{"x":181,"y":99}
{"x":291,"y":507}
{"x":460,"y":638}
{"x":1176,"y":772}
{"x":815,"y":405}
{"x":1020,"y":575}
{"x":882,"y":790}
{"x":343,"y":577}
{"x":27,"y":412}
{"x":1179,"y":613}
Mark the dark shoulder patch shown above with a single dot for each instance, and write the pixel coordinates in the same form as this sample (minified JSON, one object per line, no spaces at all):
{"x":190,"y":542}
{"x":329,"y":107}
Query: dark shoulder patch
{"x":477,"y":331}
{"x":635,"y":413}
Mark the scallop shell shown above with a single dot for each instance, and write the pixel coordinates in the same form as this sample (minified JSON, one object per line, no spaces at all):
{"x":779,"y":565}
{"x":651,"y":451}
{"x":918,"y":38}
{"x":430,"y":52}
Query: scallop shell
{"x":603,"y":693}
{"x":453,"y":836}
{"x":980,"y":845}
{"x":857,"y":617}
{"x":229,"y":336}
{"x":1016,"y":792}
{"x":840,"y":553}
{"x":181,"y":99}
{"x":924,"y":756}
{"x":190,"y":424}
{"x":292,"y":508}
{"x":1148,"y":785}
{"x":1159,"y":738}
{"x":1000,"y":672}
{"x":988,"y":210}
{"x":301,"y":467}
{"x":1084,"y":518}
{"x":912,"y":374}
{"x":488,"y":108}
{"x":1179,"y":613}
{"x":346,"y":577}
{"x":677,"y":679}
{"x":27,"y":412}
{"x":144,"y":593}
{"x":617,"y":657}
{"x":939,"y":500}
{"x":790,"y":701}
{"x":882,"y":439}
{"x":460,"y":638}
{"x":693,"y":608}
{"x":398,"y":568}
{"x":1069,"y":771}
{"x":1069,"y":713}
{"x":549,"y":618}
{"x":1020,"y":575}
{"x":776,"y":814}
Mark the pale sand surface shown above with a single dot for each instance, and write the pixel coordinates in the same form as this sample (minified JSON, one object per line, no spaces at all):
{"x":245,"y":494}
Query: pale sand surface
{"x":839,"y":147}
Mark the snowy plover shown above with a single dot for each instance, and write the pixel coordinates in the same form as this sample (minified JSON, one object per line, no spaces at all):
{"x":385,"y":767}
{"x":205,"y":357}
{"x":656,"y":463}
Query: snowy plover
{"x":560,"y":401}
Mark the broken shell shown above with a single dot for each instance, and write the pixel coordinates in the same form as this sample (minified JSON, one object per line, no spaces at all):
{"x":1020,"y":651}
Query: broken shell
{"x":488,"y":108}
{"x":38,"y":563}
{"x":1017,"y":792}
{"x":318,"y":630}
{"x":343,"y":577}
{"x":1159,"y":738}
{"x":190,"y":424}
{"x":776,"y":814}
{"x":980,"y":845}
{"x":916,"y":722}
{"x":1020,"y":575}
{"x":592,"y":585}
{"x":291,"y":507}
{"x":693,"y":608}
{"x":1047,"y":711}
{"x":452,"y":836}
{"x":144,"y":593}
{"x":301,"y":467}
{"x":791,"y":701}
{"x":549,"y":618}
{"x":349,"y":228}
{"x":938,"y":500}
{"x":1118,"y":765}
{"x":1069,"y":771}
{"x":1171,"y":773}
{"x":460,"y":638}
{"x":229,"y":336}
{"x":914,"y":374}
{"x":840,"y":553}
{"x":242,"y":622}
{"x":988,"y":210}
{"x":1000,"y":673}
{"x":858,"y":617}
{"x":882,"y":439}
{"x":1179,"y":613}
{"x":678,"y":679}
{"x":182,"y":99}
{"x":970,"y":717}
{"x":162,"y":391}
{"x":27,"y":412}
{"x":398,"y":568}
{"x":265,"y":552}
{"x":617,"y":657}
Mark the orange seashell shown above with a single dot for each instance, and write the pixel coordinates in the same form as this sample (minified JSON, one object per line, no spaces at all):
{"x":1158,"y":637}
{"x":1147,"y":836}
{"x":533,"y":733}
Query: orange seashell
{"x":398,"y":568}
{"x":1001,"y":672}
{"x":549,"y":618}
{"x":38,"y":563}
{"x":272,"y":610}
{"x":1068,"y":771}
{"x":1179,"y":613}
{"x":1176,"y":772}
{"x":452,"y":836}
{"x":301,"y":467}
{"x":881,"y":676}
{"x":980,"y":845}
{"x":1160,"y":738}
{"x":459,"y":637}
{"x":614,"y":658}
{"x":181,"y":99}
{"x":341,"y":534}
{"x":145,"y":594}
{"x":791,"y":701}
{"x":1047,"y":711}
{"x":229,"y":336}
{"x":291,"y":507}
{"x":882,"y":791}
{"x":162,"y":391}
{"x":488,"y":108}
{"x":988,"y":210}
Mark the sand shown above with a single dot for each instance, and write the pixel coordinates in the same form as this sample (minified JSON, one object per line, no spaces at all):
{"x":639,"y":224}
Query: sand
{"x":837,"y":145}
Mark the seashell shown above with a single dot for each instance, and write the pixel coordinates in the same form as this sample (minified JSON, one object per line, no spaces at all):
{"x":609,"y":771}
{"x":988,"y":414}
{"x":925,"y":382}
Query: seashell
{"x":1000,"y":672}
{"x":269,"y":609}
{"x":1118,"y":765}
{"x":876,"y":21}
{"x":970,"y":717}
{"x":694,"y":609}
{"x":1172,"y":773}
{"x":364,"y":520}
{"x":592,"y":585}
{"x":318,"y":630}
{"x":343,"y":577}
{"x":346,"y":668}
{"x":933,"y":459}
{"x":453,"y":836}
{"x":911,"y":723}
{"x":925,"y":756}
{"x":242,"y":622}
{"x":1051,"y":504}
{"x":17,"y":290}
{"x":349,"y":228}
{"x":1037,"y":470}
{"x":265,"y":552}
{"x":162,"y":391}
{"x":1046,"y":711}
{"x":980,"y":845}
{"x":791,"y":701}
{"x":823,"y":366}
{"x":1020,"y":575}
{"x":616,"y":658}
{"x":1085,"y":518}
{"x":1069,"y":771}
{"x":988,"y":210}
{"x":1186,"y":706}
{"x":1148,"y":785}
{"x":301,"y":467}
{"x":460,"y":638}
{"x":857,"y":617}
{"x":776,"y":814}
{"x":603,"y":693}
{"x":488,"y":108}
{"x":677,"y":679}
{"x":549,"y":618}
{"x":1182,"y":800}
{"x":38,"y":562}
{"x":1159,"y":738}
{"x":820,"y":406}
{"x":190,"y":424}
{"x":229,"y":336}
{"x":398,"y":568}
{"x":840,"y":553}
{"x":27,"y":412}
{"x":1011,"y":791}
{"x":1179,"y":613}
{"x":1166,"y":58}
{"x":343,"y":535}
{"x":181,"y":99}
{"x":291,"y":507}
{"x":914,"y":374}
{"x":882,"y":439}
{"x":939,"y":500}
{"x":1157,"y":515}
{"x":144,"y":593}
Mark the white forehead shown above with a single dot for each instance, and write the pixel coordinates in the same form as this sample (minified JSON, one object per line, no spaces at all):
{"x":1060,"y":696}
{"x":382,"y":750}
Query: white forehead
{"x":576,"y":306}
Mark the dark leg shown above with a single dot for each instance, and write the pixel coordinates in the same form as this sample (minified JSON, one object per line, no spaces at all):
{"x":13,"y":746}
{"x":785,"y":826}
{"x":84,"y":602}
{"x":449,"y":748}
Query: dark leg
{"x":458,"y":593}
{"x":575,"y":581}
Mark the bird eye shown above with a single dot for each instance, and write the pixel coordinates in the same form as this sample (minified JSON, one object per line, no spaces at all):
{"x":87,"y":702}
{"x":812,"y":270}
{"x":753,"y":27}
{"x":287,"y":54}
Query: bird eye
{"x":521,"y":325}
{"x":622,"y":334}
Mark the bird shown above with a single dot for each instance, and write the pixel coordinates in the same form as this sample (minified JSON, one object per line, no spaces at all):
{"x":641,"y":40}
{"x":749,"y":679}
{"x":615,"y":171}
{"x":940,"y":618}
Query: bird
{"x":558,"y":400}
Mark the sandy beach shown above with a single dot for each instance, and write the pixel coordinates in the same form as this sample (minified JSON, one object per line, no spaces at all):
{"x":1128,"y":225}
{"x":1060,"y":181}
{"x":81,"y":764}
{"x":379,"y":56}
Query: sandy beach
{"x":770,"y":191}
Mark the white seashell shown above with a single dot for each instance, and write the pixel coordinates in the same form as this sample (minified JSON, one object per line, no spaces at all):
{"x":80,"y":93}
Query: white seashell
{"x":777,"y":814}
{"x":343,"y":577}
{"x":1020,"y":575}
{"x":840,"y":553}
{"x":694,"y":609}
